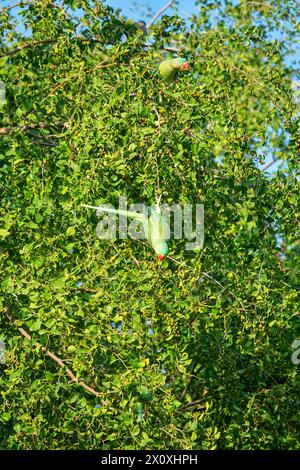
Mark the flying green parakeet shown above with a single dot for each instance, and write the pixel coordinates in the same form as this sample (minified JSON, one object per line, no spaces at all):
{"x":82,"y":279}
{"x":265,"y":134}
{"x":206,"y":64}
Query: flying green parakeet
{"x":155,"y":225}
{"x":169,"y":68}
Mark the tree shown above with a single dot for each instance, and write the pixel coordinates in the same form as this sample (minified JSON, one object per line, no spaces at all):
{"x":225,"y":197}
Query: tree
{"x":194,"y":352}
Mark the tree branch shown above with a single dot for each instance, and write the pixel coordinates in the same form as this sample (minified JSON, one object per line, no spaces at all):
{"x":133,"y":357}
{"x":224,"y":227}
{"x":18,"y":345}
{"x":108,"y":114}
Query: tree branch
{"x":224,"y":289}
{"x":159,"y":13}
{"x":50,"y":354}
{"x":27,"y":3}
{"x":193,"y":404}
{"x":268,"y":165}
{"x":28,"y":127}
{"x":258,"y":83}
{"x":293,"y":19}
{"x":173,"y":49}
{"x":57,"y":87}
{"x":24,"y":46}
{"x":15,"y":5}
{"x":185,"y":390}
{"x":5,"y":130}
{"x":51,"y":41}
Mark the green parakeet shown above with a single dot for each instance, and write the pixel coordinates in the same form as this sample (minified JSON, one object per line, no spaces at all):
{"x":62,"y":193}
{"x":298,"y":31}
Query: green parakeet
{"x":155,"y":225}
{"x":168,"y":68}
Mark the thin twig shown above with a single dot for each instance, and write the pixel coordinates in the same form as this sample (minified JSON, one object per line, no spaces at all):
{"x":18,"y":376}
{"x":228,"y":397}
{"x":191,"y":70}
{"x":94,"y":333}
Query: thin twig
{"x":25,"y":46}
{"x":43,"y":173}
{"x":173,"y":49}
{"x":44,"y":140}
{"x":224,"y":289}
{"x":185,"y":390}
{"x":159,"y":13}
{"x":28,"y":127}
{"x":258,"y":83}
{"x":58,"y":6}
{"x":15,"y":5}
{"x":168,"y":49}
{"x":50,"y":354}
{"x":260,"y":3}
{"x":193,"y":404}
{"x":5,"y":130}
{"x":99,"y":66}
{"x":45,"y":41}
{"x":273,"y":8}
{"x":158,"y":119}
{"x":56,"y":88}
{"x":45,"y":143}
{"x":268,"y":165}
{"x":27,"y":3}
{"x":51,"y":41}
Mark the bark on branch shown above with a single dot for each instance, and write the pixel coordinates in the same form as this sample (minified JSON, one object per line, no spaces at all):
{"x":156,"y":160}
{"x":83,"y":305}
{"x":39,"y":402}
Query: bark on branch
{"x":50,"y":354}
{"x":14,"y":6}
{"x":160,"y":12}
{"x":25,"y":46}
{"x":41,"y":125}
{"x":268,"y":165}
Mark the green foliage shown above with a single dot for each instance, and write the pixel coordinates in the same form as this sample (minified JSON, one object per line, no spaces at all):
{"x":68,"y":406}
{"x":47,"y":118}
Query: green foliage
{"x":191,"y":353}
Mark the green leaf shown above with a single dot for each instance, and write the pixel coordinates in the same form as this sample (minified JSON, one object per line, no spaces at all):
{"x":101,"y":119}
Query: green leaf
{"x":4,"y":232}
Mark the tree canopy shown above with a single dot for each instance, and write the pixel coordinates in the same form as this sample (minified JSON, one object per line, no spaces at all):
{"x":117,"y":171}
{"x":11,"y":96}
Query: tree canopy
{"x":191,"y":353}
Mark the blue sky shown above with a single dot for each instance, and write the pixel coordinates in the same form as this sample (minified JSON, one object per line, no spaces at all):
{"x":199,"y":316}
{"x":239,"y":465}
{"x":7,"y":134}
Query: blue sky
{"x":133,"y":9}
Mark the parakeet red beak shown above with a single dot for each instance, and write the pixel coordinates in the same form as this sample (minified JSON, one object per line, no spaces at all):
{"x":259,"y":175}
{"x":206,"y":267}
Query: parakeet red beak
{"x":185,"y":66}
{"x":161,"y":257}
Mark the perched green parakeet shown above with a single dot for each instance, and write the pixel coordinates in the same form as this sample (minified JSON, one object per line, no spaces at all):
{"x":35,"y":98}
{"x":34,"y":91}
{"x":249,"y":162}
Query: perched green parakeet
{"x":168,"y":68}
{"x":155,"y":225}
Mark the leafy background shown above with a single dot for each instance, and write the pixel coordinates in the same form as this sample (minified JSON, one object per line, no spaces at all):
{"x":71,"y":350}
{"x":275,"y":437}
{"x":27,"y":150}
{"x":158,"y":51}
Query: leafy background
{"x":191,"y":353}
